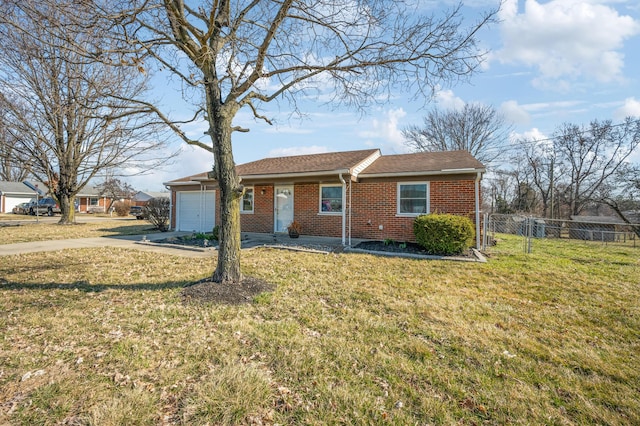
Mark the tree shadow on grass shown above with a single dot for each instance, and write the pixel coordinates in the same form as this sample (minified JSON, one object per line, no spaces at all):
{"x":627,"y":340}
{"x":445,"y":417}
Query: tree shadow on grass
{"x":88,"y":287}
{"x":143,"y":228}
{"x":201,"y":292}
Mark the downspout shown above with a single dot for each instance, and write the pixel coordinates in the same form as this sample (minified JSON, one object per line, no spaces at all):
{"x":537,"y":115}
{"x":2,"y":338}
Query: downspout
{"x":350,"y":205}
{"x":344,"y":204}
{"x":171,"y":193}
{"x":477,"y":191}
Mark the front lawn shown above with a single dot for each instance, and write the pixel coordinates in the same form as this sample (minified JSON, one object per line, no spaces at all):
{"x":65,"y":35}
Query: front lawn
{"x":45,"y":231}
{"x":101,"y":336}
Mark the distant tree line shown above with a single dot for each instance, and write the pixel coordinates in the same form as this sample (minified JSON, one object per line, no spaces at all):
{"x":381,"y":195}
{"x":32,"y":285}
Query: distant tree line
{"x":579,"y":170}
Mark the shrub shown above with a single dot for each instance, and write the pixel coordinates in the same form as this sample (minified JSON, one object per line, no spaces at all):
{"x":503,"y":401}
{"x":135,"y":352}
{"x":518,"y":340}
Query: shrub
{"x":157,"y":212}
{"x":444,"y":234}
{"x":121,"y":208}
{"x":216,"y":232}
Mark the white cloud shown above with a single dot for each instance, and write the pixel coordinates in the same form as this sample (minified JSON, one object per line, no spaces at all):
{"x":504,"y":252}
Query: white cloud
{"x":386,"y":129}
{"x":515,"y":113}
{"x":566,"y":40}
{"x":530,"y":135}
{"x":446,"y":99}
{"x":297,"y":150}
{"x":631,"y":108}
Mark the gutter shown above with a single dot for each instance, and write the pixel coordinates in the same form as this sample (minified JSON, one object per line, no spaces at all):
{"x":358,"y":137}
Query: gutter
{"x":420,"y":173}
{"x":272,"y":176}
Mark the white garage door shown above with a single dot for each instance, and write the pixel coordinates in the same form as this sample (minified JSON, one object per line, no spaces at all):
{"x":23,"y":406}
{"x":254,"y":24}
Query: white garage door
{"x":11,"y":201}
{"x":195,"y":210}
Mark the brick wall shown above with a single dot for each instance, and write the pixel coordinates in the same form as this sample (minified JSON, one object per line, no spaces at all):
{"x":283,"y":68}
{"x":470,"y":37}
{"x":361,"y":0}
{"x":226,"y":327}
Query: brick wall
{"x":261,"y":220}
{"x":374,"y":205}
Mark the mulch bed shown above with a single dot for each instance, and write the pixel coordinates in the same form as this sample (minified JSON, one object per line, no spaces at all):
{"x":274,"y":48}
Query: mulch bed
{"x":207,"y":291}
{"x":391,"y":247}
{"x":402,"y":248}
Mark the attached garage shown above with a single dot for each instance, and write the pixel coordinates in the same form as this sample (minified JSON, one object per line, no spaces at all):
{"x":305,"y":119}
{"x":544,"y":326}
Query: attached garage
{"x":195,"y":211}
{"x":12,"y":194}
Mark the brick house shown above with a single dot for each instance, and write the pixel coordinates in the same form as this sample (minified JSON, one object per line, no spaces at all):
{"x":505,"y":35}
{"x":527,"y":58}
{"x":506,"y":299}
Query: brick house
{"x":355,"y":194}
{"x":89,"y":200}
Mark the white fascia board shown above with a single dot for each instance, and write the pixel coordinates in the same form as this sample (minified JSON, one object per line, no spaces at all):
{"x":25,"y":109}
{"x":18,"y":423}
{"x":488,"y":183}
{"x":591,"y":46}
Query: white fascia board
{"x":366,"y":163}
{"x":431,"y":173}
{"x":269,"y":176}
{"x":189,"y":183}
{"x":296,"y":175}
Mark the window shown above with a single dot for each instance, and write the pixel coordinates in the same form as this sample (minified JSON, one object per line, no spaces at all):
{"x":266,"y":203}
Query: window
{"x":246,"y":206}
{"x":413,"y":198}
{"x":93,"y":201}
{"x":331,"y":198}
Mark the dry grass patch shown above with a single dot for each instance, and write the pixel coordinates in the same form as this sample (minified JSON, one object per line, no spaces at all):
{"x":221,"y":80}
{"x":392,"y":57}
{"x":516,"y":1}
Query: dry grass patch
{"x":52,"y":231}
{"x":342,"y":339}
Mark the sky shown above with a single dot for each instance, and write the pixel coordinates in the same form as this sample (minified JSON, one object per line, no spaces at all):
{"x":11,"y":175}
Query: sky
{"x":550,"y":62}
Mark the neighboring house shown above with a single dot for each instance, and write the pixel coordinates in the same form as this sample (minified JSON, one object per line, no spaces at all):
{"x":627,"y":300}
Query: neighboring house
{"x":14,"y":193}
{"x":89,"y":200}
{"x":596,"y":228}
{"x":355,"y":194}
{"x":141,"y":198}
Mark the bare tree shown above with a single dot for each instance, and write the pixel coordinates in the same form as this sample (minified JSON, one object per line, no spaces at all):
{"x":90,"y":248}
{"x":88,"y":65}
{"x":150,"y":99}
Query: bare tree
{"x":243,"y":54}
{"x":66,"y":111}
{"x":539,"y":163}
{"x":114,"y":189}
{"x":157,"y":211}
{"x":13,"y":167}
{"x":623,"y":196}
{"x":476,"y":128}
{"x":592,"y":156}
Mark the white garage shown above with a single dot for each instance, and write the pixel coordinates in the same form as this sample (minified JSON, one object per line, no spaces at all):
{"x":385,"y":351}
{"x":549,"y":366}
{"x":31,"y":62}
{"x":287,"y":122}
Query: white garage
{"x":195,"y":211}
{"x":12,"y":194}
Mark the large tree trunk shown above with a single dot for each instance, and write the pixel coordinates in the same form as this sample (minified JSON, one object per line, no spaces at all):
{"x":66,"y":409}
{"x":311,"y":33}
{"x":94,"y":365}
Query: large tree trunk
{"x":67,"y":209}
{"x":228,"y":268}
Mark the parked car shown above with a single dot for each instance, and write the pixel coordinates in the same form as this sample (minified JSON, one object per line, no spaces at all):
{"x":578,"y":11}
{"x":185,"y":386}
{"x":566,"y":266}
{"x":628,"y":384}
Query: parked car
{"x":47,"y":206}
{"x":22,"y":208}
{"x":137,"y":211}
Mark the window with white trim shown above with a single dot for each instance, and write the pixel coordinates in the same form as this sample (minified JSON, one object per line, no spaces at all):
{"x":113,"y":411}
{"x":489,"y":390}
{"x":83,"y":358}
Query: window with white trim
{"x":94,"y":201}
{"x":413,"y":198}
{"x":246,"y":204}
{"x":330,"y":198}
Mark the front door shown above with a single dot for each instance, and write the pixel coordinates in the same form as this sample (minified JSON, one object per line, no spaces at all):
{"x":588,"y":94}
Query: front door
{"x":283,"y":207}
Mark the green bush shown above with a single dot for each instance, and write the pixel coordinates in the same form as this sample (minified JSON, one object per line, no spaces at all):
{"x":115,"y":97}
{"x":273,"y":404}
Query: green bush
{"x":216,"y":232}
{"x":444,"y":234}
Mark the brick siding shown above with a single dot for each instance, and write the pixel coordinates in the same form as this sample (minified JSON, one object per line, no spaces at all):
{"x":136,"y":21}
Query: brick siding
{"x":374,"y":205}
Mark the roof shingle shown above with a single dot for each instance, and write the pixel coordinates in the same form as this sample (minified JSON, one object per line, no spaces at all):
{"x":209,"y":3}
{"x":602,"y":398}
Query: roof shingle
{"x":312,"y":163}
{"x":348,"y":161}
{"x":423,"y":162}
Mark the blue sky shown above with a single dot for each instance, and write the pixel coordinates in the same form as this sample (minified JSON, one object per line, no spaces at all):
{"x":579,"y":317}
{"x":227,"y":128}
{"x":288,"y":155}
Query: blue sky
{"x":550,"y":62}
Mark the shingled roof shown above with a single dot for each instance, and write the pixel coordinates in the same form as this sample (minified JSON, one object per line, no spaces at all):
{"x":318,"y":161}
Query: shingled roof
{"x":308,"y":164}
{"x":423,"y":163}
{"x":363,"y":163}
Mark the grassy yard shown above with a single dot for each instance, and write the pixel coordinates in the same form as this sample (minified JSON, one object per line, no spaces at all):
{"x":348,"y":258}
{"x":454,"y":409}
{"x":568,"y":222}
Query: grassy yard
{"x":101,"y":337}
{"x":45,"y":231}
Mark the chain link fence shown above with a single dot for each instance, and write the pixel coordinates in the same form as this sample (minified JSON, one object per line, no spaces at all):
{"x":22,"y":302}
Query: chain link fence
{"x":590,"y":230}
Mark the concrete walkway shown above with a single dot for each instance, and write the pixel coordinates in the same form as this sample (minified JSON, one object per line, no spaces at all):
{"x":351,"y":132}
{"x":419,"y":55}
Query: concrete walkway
{"x":129,"y":241}
{"x":146,"y":243}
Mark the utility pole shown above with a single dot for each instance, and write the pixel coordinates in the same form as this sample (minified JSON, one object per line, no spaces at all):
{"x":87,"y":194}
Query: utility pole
{"x":551,"y":185}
